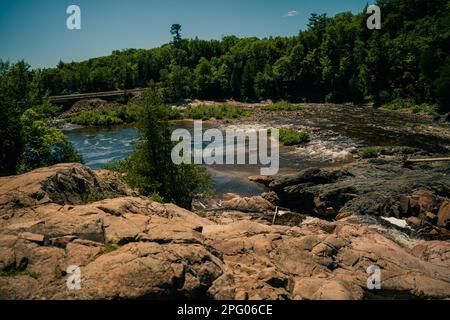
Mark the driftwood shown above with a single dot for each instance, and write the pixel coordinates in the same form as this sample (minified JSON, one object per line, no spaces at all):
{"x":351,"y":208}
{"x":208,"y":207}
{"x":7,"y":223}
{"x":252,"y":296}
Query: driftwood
{"x":275,"y":215}
{"x":412,"y":161}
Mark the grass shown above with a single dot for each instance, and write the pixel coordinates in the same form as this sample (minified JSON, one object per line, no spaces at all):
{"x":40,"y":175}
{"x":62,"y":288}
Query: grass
{"x":405,"y":105}
{"x":206,"y":112}
{"x":155,"y":196}
{"x":370,"y":152}
{"x":58,"y":272}
{"x":113,"y":116}
{"x":108,"y":248}
{"x":291,"y":137}
{"x":282,"y":106}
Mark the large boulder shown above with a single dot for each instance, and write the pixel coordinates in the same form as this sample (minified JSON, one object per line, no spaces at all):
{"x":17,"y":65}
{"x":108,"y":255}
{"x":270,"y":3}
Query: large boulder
{"x":60,"y":184}
{"x":249,"y":204}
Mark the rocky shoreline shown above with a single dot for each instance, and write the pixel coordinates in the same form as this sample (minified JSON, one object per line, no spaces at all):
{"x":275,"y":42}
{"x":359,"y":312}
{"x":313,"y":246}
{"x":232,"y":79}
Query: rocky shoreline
{"x":128,"y":247}
{"x":377,"y":187}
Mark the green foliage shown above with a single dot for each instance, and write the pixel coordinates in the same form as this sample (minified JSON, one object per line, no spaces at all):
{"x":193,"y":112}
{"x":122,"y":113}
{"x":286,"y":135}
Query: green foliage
{"x":156,"y":197}
{"x":370,"y":152}
{"x":282,"y":106}
{"x":443,"y":88}
{"x":291,"y":137}
{"x":108,"y":248}
{"x":13,"y":272}
{"x":337,"y":59}
{"x":175,"y":30}
{"x":58,"y":272}
{"x":113,"y":116}
{"x":150,"y":168}
{"x":27,"y":139}
{"x":107,"y":117}
{"x":405,"y":105}
{"x":44,"y":145}
{"x":218,"y":112}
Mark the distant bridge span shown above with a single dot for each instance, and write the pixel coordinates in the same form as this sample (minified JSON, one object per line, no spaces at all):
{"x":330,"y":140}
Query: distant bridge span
{"x":80,"y":96}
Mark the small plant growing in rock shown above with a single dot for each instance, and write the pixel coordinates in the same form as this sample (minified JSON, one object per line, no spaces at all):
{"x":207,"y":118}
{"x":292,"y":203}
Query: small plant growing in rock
{"x":291,"y":137}
{"x":155,"y":196}
{"x":13,"y":272}
{"x":202,"y":214}
{"x":58,"y":272}
{"x":90,"y":197}
{"x":108,"y":248}
{"x":370,"y":152}
{"x":282,"y":106}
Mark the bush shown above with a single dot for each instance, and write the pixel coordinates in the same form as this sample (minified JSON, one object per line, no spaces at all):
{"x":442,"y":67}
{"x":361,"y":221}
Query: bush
{"x":282,"y":106}
{"x":108,"y":248}
{"x":218,"y":112}
{"x":114,"y":116}
{"x":370,"y":152}
{"x":11,"y":141}
{"x":291,"y":137}
{"x":44,"y":146}
{"x":406,"y":105}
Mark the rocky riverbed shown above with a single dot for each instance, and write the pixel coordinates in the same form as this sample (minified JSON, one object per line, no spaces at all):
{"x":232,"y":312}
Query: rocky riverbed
{"x":128,"y":247}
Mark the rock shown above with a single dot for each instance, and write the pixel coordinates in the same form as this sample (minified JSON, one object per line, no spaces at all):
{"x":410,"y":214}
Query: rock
{"x":431,"y":217}
{"x":38,"y":238}
{"x":444,"y":215}
{"x":344,"y":215}
{"x":128,"y":247}
{"x":404,"y":204}
{"x":60,"y":184}
{"x":151,"y":271}
{"x":381,"y":188}
{"x":86,"y":105}
{"x":264,"y":180}
{"x":62,"y":242}
{"x":414,"y":221}
{"x":324,"y":289}
{"x":253,"y":204}
{"x":7,"y":258}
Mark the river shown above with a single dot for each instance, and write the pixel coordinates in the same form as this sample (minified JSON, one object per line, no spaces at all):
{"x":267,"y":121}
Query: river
{"x":337,"y":131}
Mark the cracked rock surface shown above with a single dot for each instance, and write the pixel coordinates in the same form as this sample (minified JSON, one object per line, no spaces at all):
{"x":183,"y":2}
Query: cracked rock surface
{"x":128,"y":247}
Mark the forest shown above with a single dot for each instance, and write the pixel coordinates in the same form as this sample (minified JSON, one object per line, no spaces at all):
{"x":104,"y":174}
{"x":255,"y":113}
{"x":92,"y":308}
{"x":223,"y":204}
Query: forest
{"x":336,"y":59}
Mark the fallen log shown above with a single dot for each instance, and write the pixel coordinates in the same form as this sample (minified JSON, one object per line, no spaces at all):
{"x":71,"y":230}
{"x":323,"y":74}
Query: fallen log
{"x":275,"y":215}
{"x":427,"y":160}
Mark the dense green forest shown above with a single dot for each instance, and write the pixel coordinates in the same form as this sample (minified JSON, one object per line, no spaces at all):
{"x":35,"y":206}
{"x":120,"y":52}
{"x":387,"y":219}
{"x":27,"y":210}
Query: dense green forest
{"x":336,"y":59}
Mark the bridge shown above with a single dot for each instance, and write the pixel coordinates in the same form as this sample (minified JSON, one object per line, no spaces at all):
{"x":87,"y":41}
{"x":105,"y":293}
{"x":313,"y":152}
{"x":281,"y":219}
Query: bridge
{"x":71,"y":98}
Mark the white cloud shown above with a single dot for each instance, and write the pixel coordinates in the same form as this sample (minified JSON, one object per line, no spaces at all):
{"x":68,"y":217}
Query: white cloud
{"x":292,"y":13}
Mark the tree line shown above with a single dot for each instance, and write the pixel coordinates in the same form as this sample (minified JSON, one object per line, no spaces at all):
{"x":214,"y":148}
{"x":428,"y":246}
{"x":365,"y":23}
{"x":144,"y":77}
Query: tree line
{"x":336,"y":59}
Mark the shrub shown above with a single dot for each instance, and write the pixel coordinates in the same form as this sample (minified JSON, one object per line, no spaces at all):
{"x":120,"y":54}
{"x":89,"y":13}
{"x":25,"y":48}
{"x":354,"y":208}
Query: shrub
{"x":291,"y":137}
{"x":218,"y":112}
{"x":58,"y":272}
{"x":370,"y":152}
{"x":114,"y":116}
{"x":44,"y":146}
{"x":406,"y":105}
{"x":108,"y":248}
{"x":282,"y":106}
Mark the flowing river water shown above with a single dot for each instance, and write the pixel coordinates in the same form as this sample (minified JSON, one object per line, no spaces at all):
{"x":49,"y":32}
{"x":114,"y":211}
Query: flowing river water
{"x":337,"y":131}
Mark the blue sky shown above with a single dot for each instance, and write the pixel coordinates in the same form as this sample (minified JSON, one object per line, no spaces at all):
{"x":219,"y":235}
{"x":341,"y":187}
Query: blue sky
{"x":35,"y":30}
